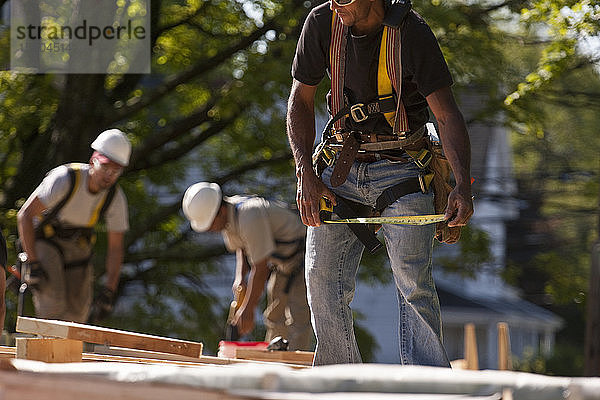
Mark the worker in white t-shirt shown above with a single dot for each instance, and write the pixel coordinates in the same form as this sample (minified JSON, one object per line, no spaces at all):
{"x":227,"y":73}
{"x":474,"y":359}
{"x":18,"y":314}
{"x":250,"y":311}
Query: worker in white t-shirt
{"x":269,"y":240}
{"x":56,"y":231}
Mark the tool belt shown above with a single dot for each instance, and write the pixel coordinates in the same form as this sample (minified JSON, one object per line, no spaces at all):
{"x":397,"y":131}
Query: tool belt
{"x":341,"y":149}
{"x":53,"y":230}
{"x":56,"y":230}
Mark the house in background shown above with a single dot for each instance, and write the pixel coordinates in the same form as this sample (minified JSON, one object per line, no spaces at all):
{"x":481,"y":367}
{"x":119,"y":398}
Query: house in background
{"x":486,"y":299}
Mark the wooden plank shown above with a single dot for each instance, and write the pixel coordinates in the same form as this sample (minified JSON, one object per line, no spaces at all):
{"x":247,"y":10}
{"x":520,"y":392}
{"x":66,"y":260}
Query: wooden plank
{"x":504,"y":361}
{"x":7,"y":352}
{"x":293,"y":357}
{"x":107,"y":336}
{"x":148,"y":357}
{"x":49,"y":350}
{"x":460,"y":363}
{"x":155,"y":355}
{"x":471,"y":354}
{"x":203,"y":360}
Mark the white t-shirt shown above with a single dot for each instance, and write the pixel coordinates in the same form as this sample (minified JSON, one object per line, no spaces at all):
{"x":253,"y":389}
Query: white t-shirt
{"x":263,"y":228}
{"x":82,"y":205}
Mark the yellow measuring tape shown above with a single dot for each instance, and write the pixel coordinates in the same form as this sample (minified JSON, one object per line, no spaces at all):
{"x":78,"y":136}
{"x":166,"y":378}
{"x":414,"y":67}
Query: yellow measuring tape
{"x":404,"y":220}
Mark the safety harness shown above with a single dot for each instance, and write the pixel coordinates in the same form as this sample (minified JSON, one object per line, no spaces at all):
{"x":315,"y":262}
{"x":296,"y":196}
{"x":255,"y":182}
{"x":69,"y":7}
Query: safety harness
{"x":389,"y":75}
{"x":299,"y":243}
{"x":388,"y":102}
{"x":341,"y":147}
{"x":50,"y":228}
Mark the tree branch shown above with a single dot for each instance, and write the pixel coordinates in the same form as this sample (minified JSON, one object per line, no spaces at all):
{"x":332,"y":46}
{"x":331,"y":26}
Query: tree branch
{"x":254,"y":165}
{"x":182,"y":148}
{"x":197,"y":70}
{"x":170,"y":133}
{"x":185,"y":20}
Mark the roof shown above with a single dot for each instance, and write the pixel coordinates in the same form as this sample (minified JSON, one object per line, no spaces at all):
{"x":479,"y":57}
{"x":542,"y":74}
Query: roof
{"x":456,"y":303}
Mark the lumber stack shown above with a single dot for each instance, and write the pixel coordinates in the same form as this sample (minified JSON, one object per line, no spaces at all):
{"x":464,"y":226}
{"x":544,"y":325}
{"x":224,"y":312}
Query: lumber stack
{"x":62,"y":342}
{"x":107,"y":336}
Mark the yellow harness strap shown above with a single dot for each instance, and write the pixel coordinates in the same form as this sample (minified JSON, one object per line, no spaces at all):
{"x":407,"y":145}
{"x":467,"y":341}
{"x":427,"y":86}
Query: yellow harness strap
{"x":384,"y":83}
{"x":96,"y":214}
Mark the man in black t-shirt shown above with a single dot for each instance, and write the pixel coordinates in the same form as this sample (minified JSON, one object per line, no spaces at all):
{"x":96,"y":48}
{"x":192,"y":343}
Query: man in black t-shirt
{"x":333,"y":251}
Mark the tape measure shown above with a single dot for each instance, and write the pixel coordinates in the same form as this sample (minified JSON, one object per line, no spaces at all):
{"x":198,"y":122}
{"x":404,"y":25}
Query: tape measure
{"x":404,"y":220}
{"x":326,"y":210}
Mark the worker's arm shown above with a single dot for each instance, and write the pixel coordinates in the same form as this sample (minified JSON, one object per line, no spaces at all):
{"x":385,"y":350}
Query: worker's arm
{"x":114,"y":259}
{"x":244,"y":317}
{"x":301,"y":135}
{"x":457,"y":148}
{"x":33,"y":207}
{"x":241,"y":271}
{"x":2,"y":290}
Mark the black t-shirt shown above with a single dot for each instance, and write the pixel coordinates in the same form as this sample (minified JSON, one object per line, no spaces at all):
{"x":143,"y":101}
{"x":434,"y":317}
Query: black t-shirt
{"x":424,"y":69}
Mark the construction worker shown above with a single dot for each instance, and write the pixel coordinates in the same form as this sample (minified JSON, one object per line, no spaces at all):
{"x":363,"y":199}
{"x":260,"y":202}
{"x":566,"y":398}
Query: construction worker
{"x":56,"y":230}
{"x":3,"y":260}
{"x":268,"y":239}
{"x":376,"y":158}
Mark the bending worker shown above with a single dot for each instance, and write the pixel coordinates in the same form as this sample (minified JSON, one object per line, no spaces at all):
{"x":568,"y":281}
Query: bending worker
{"x":386,"y":70}
{"x":56,"y":230}
{"x":270,"y":237}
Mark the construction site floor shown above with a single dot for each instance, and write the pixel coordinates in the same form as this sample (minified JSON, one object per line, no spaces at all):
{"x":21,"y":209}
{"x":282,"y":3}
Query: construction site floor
{"x":25,"y":379}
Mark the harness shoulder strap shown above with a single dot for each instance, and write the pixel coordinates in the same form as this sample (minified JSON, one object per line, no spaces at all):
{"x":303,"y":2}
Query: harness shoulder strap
{"x":74,"y":178}
{"x":384,"y":82}
{"x":337,"y":62}
{"x":393,"y":66}
{"x":389,"y":73}
{"x":102,"y":206}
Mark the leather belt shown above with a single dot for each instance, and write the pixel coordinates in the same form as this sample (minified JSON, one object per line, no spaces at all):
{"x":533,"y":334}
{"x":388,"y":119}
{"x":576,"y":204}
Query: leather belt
{"x":364,"y":137}
{"x":371,"y":145}
{"x":374,"y":157}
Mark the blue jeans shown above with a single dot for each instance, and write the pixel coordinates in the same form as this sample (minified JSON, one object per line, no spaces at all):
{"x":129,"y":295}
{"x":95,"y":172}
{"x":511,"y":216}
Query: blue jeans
{"x":333,"y":256}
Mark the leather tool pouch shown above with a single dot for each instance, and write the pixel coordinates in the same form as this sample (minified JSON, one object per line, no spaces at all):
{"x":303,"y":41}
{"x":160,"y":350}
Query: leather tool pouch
{"x":442,"y":188}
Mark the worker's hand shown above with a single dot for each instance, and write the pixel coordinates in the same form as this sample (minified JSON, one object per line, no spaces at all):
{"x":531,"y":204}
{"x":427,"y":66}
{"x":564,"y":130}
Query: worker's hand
{"x":310,"y":189}
{"x":103,"y":305}
{"x":35,"y":275}
{"x":244,"y":320}
{"x":460,"y":206}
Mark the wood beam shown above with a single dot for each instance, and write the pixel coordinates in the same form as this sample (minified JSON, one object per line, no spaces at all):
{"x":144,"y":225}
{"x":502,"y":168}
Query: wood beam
{"x":107,"y":336}
{"x":49,"y":350}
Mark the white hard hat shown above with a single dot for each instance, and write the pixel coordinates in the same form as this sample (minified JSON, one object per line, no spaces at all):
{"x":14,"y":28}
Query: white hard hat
{"x":201,"y":203}
{"x":113,"y":144}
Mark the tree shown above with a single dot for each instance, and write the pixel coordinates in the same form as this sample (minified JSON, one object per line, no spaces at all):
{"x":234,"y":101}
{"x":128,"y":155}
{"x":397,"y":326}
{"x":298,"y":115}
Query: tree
{"x":557,"y":149}
{"x":212,"y":109}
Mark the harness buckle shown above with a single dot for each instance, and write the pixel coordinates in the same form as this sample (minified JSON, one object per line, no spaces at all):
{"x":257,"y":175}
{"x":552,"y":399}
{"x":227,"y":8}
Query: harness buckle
{"x":357,"y":113}
{"x":421,"y":157}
